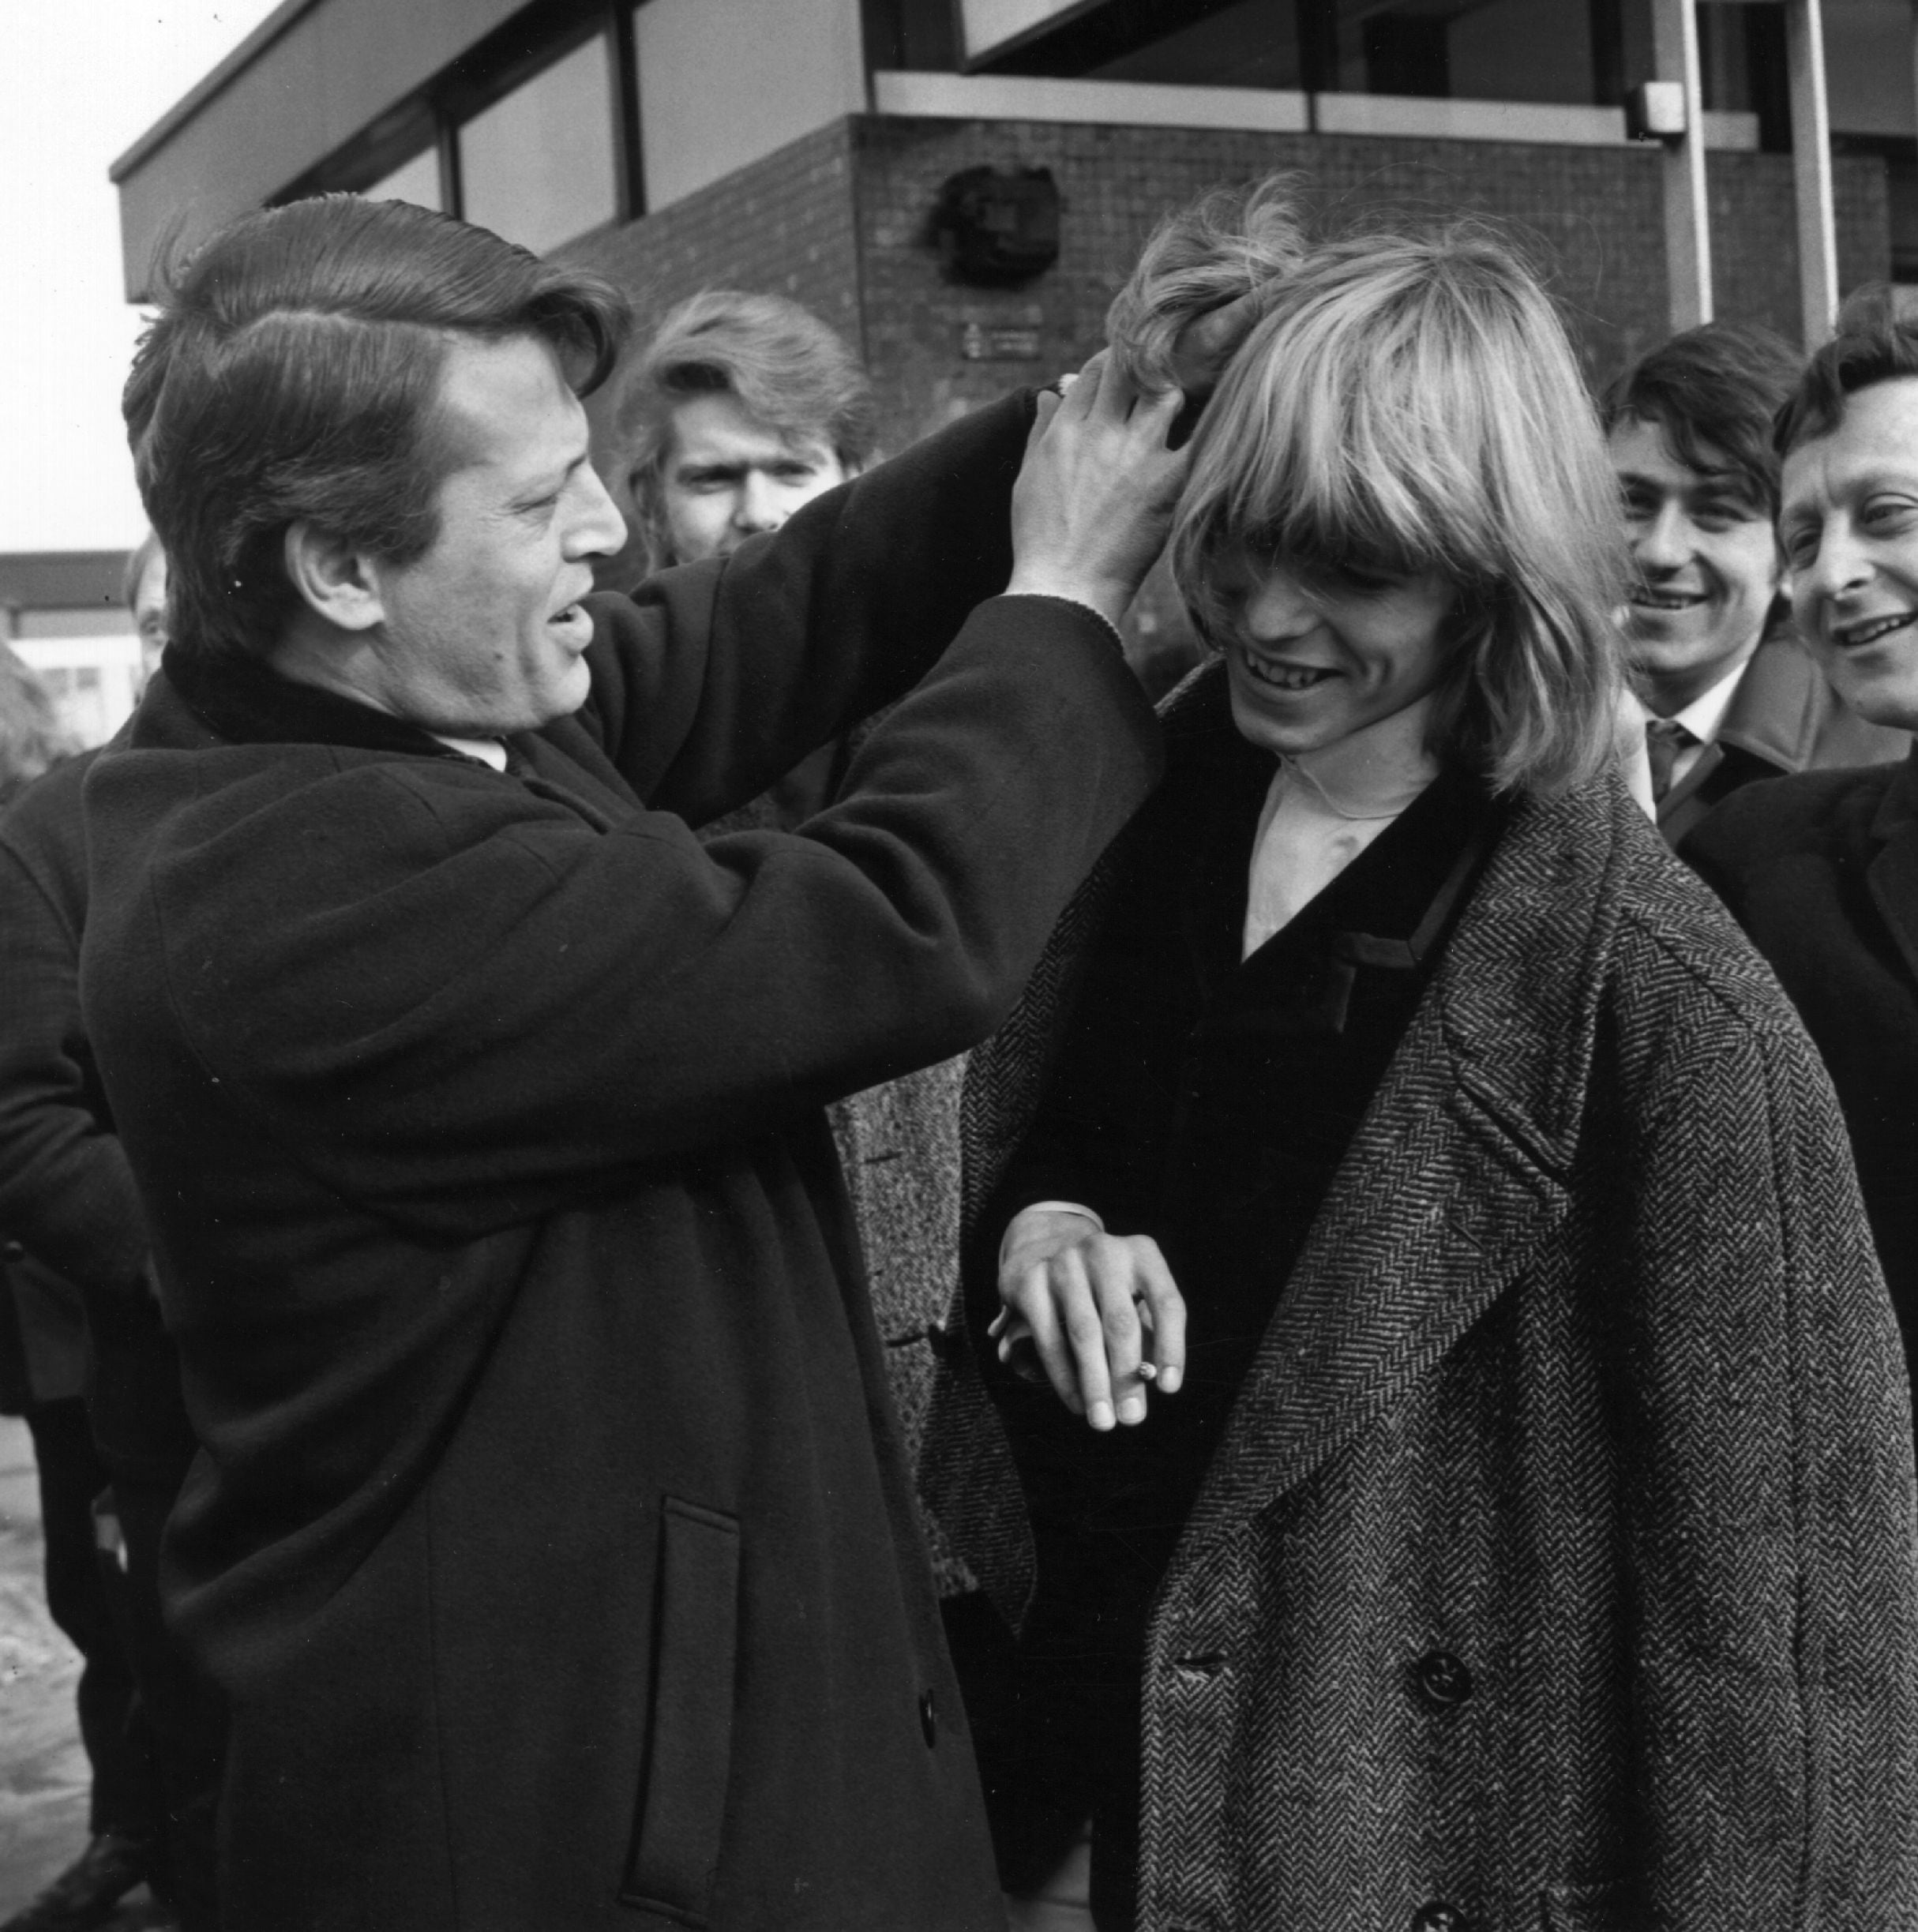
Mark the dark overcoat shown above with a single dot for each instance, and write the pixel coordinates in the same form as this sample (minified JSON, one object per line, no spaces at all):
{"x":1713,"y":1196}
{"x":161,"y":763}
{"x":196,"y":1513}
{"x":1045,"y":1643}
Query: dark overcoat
{"x":553,"y":1545}
{"x":1822,"y":872}
{"x":1558,"y":1567}
{"x":67,"y":1196}
{"x":1783,"y":717}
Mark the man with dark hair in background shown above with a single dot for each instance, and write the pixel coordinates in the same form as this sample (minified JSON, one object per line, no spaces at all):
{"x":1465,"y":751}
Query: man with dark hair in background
{"x":67,"y":1203}
{"x":1733,"y":694}
{"x":553,"y":1545}
{"x":1821,"y":869}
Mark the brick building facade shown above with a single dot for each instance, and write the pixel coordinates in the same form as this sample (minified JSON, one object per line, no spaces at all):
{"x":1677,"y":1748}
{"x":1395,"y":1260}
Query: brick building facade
{"x":840,"y":221}
{"x":799,"y":146}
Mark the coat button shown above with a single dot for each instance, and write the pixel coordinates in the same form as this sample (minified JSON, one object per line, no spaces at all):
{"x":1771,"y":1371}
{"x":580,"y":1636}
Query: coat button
{"x":928,"y":1718}
{"x":1437,"y":1916}
{"x":1442,"y":1680}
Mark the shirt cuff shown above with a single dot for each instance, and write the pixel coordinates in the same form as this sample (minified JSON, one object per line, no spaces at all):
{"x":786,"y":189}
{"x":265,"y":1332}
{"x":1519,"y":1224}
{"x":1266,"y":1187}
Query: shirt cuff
{"x":1053,"y":597}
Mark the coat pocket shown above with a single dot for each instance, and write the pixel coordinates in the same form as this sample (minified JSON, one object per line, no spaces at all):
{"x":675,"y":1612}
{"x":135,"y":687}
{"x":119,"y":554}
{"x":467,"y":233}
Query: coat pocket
{"x":689,"y":1748}
{"x":1588,"y":1908}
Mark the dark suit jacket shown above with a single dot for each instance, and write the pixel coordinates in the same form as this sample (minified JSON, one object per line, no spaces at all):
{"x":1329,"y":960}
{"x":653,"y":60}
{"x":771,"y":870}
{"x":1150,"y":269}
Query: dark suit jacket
{"x":67,"y":1202}
{"x":67,"y":1195}
{"x":1783,"y":717}
{"x":1822,"y":872}
{"x":1558,"y":1563}
{"x":555,"y":1546}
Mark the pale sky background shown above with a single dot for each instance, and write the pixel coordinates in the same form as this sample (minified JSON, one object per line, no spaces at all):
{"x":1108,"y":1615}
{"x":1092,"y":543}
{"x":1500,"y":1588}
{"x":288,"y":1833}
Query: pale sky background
{"x":89,"y":77}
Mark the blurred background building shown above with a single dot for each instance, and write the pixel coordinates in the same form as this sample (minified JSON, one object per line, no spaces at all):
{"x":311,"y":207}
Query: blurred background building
{"x":62,"y":611}
{"x":958,"y":186}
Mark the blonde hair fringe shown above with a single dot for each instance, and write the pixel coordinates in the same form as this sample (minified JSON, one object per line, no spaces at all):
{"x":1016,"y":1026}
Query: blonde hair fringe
{"x":1409,"y":403}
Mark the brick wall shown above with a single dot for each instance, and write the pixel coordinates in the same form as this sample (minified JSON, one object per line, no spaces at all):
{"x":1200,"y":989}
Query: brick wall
{"x":1589,"y":216}
{"x":839,"y":222}
{"x":783,"y":227}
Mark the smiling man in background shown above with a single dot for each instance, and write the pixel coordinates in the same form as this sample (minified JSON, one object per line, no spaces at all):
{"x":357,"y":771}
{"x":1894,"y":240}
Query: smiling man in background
{"x":1732,"y":693}
{"x":1822,"y":870}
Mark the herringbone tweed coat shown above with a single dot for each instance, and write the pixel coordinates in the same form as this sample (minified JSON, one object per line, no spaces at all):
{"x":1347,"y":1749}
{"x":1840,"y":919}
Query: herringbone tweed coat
{"x":1585,"y":1382}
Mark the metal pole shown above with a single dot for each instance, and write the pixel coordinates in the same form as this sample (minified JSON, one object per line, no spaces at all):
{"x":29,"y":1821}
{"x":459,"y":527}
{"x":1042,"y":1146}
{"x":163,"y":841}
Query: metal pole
{"x":1688,"y":247}
{"x":1817,"y":247}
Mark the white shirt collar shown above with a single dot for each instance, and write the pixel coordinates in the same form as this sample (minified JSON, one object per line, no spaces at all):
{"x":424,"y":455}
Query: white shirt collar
{"x":1703,"y":716}
{"x":488,"y":750}
{"x":1324,"y":809}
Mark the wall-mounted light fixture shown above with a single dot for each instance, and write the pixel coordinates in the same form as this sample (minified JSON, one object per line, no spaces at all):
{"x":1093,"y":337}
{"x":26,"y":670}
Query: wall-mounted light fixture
{"x":1655,"y":110}
{"x":996,"y":225}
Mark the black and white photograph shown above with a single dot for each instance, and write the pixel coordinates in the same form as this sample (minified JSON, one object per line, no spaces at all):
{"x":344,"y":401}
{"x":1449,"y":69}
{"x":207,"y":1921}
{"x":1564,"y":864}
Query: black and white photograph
{"x":959,"y":965}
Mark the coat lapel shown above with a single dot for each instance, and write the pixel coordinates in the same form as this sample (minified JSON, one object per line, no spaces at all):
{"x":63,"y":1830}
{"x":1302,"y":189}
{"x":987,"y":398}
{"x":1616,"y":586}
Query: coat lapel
{"x":1893,"y":873}
{"x":1457,"y":1173}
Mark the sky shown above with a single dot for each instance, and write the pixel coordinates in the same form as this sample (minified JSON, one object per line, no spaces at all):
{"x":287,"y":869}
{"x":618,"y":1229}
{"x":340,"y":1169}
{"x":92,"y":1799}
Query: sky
{"x":87,"y":78}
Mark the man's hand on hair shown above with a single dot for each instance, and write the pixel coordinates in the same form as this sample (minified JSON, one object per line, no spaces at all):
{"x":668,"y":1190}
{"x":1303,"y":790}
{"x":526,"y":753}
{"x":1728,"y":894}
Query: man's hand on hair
{"x":1095,"y":498}
{"x":1209,"y":341}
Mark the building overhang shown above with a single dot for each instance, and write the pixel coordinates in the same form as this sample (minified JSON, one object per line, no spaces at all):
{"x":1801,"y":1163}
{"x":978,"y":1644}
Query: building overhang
{"x":313,"y":75}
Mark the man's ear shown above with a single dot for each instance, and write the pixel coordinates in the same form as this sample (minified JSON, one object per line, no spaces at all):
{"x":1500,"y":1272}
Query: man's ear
{"x":336,"y":581}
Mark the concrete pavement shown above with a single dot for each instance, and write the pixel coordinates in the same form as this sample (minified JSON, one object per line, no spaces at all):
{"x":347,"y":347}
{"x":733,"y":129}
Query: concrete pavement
{"x":43,"y":1776}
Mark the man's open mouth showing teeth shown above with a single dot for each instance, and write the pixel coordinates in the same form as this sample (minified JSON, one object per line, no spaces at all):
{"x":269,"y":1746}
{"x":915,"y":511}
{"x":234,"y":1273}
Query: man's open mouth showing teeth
{"x":1872,"y":630}
{"x":1284,"y":676}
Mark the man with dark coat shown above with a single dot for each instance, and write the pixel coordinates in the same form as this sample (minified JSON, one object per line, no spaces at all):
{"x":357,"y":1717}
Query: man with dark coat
{"x":552,"y":1545}
{"x":1822,"y":870}
{"x":67,"y":1199}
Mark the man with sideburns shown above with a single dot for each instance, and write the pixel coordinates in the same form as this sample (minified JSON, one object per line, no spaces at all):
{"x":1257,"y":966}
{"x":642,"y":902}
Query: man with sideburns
{"x":552,"y":1543}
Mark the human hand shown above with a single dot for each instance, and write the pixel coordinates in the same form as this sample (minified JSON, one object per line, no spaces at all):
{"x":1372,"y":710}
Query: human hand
{"x":1086,"y":1300}
{"x":1209,"y":341}
{"x":1094,"y":501}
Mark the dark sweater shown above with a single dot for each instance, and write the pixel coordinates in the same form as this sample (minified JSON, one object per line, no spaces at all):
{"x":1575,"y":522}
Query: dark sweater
{"x":555,"y":1546}
{"x":1207,"y":1102}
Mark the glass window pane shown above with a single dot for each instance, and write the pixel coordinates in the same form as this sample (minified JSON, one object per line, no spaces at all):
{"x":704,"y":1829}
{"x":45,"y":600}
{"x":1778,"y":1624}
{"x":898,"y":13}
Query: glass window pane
{"x":989,"y":24}
{"x":1486,"y":49}
{"x":1530,"y":51}
{"x":1253,"y":44}
{"x":537,"y":167}
{"x":418,"y":182}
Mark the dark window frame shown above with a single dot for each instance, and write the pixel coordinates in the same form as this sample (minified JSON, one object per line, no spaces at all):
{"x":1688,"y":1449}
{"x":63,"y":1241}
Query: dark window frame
{"x":1099,"y":30}
{"x":520,"y":50}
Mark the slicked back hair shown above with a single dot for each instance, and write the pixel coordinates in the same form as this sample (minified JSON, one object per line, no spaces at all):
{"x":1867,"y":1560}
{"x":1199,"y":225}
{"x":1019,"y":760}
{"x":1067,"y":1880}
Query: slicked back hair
{"x":1713,"y":392}
{"x":1410,"y":404}
{"x":1873,"y":344}
{"x":782,"y":366}
{"x":293,"y":374}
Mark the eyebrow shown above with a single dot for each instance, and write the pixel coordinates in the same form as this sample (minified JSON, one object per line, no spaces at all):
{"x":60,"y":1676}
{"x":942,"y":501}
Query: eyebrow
{"x":548,"y":481}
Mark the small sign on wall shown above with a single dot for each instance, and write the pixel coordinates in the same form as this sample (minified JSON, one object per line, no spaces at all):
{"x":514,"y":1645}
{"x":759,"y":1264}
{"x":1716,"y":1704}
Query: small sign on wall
{"x":979,"y":343}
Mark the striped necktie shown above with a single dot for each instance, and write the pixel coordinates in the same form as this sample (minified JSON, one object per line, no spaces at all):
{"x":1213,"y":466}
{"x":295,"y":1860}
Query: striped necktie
{"x":1664,"y":738}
